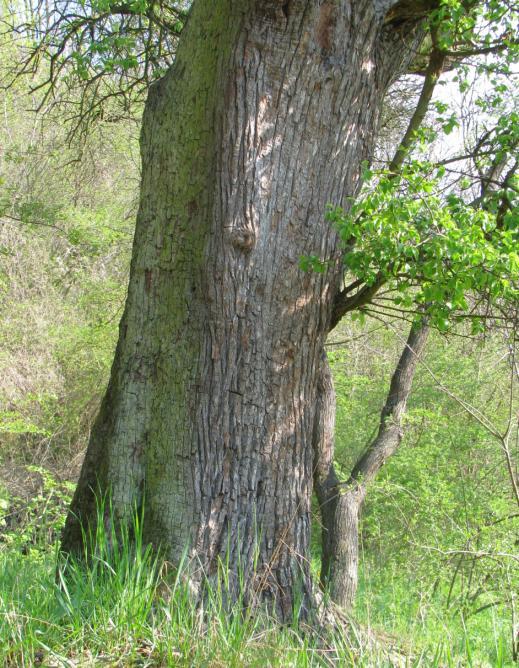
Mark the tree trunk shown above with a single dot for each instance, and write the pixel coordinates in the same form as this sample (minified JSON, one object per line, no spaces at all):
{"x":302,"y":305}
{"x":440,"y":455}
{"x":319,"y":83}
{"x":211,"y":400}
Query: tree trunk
{"x":264,"y":119}
{"x":325,"y":478}
{"x":340,"y":503}
{"x":339,"y":511}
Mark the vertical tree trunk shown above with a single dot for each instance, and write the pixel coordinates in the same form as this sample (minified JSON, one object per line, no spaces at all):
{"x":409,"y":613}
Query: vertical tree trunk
{"x":264,"y":119}
{"x":325,"y":478}
{"x":340,"y":503}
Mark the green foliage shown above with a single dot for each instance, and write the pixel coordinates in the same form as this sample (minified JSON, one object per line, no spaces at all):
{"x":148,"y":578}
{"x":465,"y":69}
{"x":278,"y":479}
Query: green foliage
{"x":65,"y":241}
{"x":488,"y":27}
{"x":431,"y":251}
{"x":12,"y":422}
{"x":32,"y":525}
{"x":439,"y":526}
{"x":427,"y":239}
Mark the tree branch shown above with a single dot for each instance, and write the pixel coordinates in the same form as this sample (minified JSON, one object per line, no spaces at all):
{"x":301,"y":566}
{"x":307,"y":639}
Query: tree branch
{"x":390,"y":430}
{"x":344,"y":303}
{"x":432,"y":74}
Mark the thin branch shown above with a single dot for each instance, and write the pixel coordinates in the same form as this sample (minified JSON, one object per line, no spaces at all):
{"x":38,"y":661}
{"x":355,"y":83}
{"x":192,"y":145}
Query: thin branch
{"x":432,"y":74}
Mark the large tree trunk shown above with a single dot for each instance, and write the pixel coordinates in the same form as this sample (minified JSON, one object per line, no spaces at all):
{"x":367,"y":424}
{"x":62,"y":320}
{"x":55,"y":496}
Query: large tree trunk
{"x":264,"y":119}
{"x":340,"y":503}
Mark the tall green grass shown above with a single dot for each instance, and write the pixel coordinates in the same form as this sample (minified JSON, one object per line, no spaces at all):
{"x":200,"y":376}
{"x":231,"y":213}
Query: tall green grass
{"x":122,"y":607}
{"x":427,"y":630}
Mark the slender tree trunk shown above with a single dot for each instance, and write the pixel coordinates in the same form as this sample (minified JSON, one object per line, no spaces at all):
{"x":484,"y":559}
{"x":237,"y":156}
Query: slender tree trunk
{"x":264,"y":119}
{"x":341,"y":502}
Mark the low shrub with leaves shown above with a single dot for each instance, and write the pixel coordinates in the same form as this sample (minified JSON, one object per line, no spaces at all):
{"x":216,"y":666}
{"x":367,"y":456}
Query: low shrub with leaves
{"x":34,"y":523}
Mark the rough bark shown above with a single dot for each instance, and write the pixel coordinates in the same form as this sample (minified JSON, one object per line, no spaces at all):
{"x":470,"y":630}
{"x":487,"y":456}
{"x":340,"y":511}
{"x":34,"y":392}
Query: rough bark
{"x":264,"y":119}
{"x":340,"y":503}
{"x":326,"y":480}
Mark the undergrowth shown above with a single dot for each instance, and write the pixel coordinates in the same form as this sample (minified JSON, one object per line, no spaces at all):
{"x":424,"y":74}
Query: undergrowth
{"x":122,"y":607}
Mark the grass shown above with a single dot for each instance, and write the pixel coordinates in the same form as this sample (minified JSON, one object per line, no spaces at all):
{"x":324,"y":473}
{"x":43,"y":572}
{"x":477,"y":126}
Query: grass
{"x":426,"y":629}
{"x":123,"y":609}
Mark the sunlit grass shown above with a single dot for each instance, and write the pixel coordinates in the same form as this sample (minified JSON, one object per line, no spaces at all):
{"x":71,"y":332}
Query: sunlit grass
{"x":121,"y":607}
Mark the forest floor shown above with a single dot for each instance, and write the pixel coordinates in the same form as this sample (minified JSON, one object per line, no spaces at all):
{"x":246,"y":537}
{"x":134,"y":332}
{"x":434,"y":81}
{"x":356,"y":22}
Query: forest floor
{"x":123,"y":610}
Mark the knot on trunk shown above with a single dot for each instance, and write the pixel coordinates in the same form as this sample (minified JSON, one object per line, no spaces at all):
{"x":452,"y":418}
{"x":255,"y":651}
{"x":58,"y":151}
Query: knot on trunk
{"x":242,"y":239}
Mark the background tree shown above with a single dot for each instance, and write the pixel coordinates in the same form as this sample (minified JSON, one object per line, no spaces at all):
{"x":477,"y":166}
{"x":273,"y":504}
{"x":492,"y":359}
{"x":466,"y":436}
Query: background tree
{"x":66,"y":224}
{"x":428,"y":251}
{"x":340,"y":503}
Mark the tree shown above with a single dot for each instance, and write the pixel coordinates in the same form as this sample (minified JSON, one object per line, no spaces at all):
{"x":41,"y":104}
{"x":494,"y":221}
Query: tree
{"x":340,"y":503}
{"x":382,"y":231}
{"x":99,"y":56}
{"x":417,"y":252}
{"x":265,"y":118}
{"x":210,"y":408}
